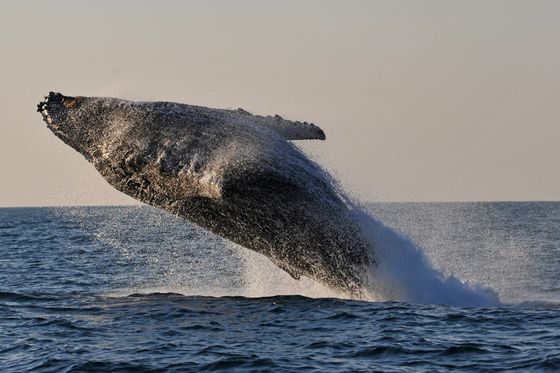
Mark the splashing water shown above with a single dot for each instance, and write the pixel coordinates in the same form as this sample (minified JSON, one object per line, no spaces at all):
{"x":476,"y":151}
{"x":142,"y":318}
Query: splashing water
{"x":405,"y":274}
{"x":166,"y":254}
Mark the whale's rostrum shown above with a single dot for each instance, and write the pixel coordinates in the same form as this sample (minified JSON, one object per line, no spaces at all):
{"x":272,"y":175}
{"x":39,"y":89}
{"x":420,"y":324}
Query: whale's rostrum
{"x":235,"y":174}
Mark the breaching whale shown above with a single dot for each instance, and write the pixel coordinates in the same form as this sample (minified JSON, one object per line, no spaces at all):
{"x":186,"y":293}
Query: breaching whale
{"x":235,"y":174}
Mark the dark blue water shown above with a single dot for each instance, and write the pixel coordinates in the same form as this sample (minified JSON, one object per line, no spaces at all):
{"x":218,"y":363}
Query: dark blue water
{"x":133,"y":289}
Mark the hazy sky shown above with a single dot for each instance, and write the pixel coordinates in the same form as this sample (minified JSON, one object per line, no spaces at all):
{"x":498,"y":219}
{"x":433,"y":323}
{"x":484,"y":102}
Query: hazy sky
{"x":420,"y":100}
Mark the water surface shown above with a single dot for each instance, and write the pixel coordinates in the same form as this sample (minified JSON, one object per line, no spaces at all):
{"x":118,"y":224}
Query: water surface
{"x":132,"y":289}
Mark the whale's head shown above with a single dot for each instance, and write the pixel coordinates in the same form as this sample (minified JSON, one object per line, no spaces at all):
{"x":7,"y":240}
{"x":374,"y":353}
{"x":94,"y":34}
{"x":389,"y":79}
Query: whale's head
{"x":140,"y":143}
{"x":74,"y":121}
{"x":97,"y":127}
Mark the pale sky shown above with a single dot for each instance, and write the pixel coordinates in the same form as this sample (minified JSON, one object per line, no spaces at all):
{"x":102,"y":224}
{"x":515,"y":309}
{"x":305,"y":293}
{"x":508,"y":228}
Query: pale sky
{"x":420,"y":100}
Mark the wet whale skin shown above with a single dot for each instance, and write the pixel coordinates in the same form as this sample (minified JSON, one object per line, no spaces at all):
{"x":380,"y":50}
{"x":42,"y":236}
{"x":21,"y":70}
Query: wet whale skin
{"x":235,"y":174}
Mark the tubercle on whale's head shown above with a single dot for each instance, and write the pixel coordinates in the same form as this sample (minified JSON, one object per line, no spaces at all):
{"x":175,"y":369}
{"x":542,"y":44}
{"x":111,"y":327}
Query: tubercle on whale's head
{"x":68,"y":101}
{"x":56,"y":109}
{"x":54,"y":103}
{"x":65,"y":116}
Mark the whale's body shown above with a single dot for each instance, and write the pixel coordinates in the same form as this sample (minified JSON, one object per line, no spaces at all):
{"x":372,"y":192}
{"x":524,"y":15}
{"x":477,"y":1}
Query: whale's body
{"x":228,"y":171}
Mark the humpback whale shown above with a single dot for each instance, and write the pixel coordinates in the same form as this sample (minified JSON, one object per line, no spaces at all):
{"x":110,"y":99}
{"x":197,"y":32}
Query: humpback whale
{"x":230,"y":172}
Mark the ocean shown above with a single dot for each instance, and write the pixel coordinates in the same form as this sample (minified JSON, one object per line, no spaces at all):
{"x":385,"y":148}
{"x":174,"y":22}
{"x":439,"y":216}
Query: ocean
{"x":459,"y":287}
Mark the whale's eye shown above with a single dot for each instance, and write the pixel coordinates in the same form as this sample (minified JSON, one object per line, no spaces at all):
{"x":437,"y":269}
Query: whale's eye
{"x":72,"y":102}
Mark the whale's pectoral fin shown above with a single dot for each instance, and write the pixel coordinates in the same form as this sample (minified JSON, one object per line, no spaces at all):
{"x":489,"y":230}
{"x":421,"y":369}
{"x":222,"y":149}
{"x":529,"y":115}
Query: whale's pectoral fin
{"x":289,"y":129}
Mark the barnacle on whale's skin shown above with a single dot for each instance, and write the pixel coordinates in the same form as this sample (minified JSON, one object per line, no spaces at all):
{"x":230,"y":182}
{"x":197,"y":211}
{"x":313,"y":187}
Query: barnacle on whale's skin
{"x":72,"y":102}
{"x":233,"y":173}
